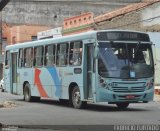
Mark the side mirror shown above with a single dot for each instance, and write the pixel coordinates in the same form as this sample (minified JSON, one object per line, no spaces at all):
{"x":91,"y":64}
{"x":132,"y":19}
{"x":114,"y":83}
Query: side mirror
{"x":154,"y":49}
{"x":96,"y":52}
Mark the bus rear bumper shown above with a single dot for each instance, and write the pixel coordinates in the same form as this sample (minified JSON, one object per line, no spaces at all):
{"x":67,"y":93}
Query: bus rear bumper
{"x":104,"y":95}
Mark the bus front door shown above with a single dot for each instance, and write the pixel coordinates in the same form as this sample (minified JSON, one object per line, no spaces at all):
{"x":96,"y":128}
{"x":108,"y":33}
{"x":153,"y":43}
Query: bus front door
{"x":14,"y":88}
{"x":89,"y":70}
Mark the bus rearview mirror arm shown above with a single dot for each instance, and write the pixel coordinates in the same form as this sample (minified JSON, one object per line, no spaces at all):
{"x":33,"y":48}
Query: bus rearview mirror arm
{"x":154,"y":53}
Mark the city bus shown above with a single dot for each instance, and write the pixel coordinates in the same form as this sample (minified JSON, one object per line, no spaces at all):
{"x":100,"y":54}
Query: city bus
{"x":113,"y":66}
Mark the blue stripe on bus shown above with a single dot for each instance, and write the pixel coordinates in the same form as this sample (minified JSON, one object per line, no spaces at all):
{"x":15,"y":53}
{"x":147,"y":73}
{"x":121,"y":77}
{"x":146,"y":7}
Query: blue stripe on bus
{"x":56,"y":80}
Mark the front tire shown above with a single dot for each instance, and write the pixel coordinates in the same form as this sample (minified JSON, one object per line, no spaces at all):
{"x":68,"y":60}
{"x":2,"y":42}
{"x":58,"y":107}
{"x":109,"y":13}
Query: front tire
{"x":122,"y":105}
{"x":76,"y":98}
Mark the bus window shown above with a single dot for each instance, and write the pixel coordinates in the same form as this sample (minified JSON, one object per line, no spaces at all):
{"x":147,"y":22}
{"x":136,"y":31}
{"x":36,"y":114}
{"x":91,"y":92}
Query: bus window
{"x":7,"y":59}
{"x":38,"y":56}
{"x":20,"y":59}
{"x":28,"y":56}
{"x":62,"y":54}
{"x":75,"y":53}
{"x":49,"y":55}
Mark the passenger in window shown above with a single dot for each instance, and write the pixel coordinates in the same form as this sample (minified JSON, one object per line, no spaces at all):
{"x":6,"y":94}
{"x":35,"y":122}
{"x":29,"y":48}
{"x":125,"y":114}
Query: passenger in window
{"x":30,"y":58}
{"x":77,"y":57}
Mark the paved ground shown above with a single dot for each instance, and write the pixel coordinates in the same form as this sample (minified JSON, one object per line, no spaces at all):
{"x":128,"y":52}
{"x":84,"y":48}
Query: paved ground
{"x":54,"y":113}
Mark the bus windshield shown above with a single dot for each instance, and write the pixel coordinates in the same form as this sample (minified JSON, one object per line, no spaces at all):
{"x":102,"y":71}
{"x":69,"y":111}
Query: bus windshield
{"x":125,"y":60}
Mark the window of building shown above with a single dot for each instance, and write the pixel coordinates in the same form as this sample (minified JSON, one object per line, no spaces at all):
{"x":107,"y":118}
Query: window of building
{"x":34,"y":38}
{"x":38,"y":56}
{"x":62,"y":54}
{"x":20,"y":58}
{"x":75,"y":56}
{"x":89,"y":17}
{"x":28,"y":57}
{"x":49,"y":55}
{"x":7,"y":59}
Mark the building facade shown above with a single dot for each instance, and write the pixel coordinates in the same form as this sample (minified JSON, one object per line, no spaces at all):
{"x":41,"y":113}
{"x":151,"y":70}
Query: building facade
{"x":53,"y":12}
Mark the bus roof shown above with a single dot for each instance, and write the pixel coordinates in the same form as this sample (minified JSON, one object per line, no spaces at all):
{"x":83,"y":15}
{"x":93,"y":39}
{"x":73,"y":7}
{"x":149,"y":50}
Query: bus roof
{"x":62,"y":39}
{"x":75,"y":37}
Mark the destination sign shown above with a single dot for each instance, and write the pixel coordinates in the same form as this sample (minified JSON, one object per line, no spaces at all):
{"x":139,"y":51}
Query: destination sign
{"x":122,"y":36}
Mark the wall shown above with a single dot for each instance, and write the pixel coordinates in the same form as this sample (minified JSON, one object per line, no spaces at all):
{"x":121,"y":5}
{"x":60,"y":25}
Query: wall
{"x":155,"y":38}
{"x":152,"y":12}
{"x":133,"y":20}
{"x":53,"y":13}
{"x":122,"y":22}
{"x":23,"y":33}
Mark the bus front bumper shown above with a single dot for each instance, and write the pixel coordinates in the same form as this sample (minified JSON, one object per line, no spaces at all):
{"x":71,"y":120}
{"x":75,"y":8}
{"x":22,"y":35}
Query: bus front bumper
{"x":104,"y":95}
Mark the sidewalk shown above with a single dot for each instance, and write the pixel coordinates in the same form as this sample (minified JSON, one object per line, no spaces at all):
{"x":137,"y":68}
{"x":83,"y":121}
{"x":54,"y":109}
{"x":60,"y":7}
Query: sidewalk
{"x":157,"y":98}
{"x":157,"y":93}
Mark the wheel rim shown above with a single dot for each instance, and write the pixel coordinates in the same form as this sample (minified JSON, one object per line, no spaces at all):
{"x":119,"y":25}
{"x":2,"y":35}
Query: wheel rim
{"x":76,"y":98}
{"x":26,"y":94}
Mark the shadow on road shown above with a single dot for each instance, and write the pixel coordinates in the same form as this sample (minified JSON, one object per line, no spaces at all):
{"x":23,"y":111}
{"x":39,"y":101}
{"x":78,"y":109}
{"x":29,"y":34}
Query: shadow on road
{"x":89,"y":107}
{"x":111,"y":108}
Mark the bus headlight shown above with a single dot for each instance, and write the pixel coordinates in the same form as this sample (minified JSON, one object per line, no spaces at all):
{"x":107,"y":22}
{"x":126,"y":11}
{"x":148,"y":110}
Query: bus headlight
{"x":149,"y":84}
{"x":103,"y":83}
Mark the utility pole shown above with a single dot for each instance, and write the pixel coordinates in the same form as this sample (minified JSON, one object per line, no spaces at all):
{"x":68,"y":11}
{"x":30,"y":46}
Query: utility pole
{"x":3,"y":3}
{"x":1,"y":57}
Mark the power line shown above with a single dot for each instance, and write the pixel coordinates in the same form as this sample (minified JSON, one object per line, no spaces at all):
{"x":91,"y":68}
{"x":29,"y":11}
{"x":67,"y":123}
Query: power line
{"x":132,"y":23}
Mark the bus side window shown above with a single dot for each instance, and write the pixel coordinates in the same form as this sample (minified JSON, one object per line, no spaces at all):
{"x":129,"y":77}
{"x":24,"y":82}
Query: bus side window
{"x":75,"y":53}
{"x":49,"y":55}
{"x":7,"y":59}
{"x":38,"y":56}
{"x":28,"y":57}
{"x":62,"y":54}
{"x":20,"y":59}
{"x":57,"y":56}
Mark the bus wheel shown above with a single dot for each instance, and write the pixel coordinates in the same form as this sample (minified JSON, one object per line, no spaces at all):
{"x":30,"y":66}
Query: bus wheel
{"x":2,"y":90}
{"x":27,"y":93}
{"x":122,"y":105}
{"x":76,"y":98}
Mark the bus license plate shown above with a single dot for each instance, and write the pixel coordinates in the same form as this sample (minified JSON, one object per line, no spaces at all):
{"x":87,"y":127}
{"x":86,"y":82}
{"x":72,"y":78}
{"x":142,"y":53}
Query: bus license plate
{"x":130,"y":97}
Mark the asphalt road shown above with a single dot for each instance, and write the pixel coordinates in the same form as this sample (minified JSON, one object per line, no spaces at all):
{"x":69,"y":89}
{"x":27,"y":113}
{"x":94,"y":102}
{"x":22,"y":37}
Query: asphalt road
{"x":48,"y":112}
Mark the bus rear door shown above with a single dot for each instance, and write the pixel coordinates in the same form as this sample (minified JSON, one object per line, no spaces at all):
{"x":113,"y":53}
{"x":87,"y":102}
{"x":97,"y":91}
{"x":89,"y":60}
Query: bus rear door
{"x":7,"y":73}
{"x":14,"y":58}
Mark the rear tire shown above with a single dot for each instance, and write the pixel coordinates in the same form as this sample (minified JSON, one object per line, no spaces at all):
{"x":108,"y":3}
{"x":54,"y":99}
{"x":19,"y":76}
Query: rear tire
{"x":76,"y":98}
{"x":122,"y":105}
{"x":2,"y":90}
{"x":27,"y":93}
